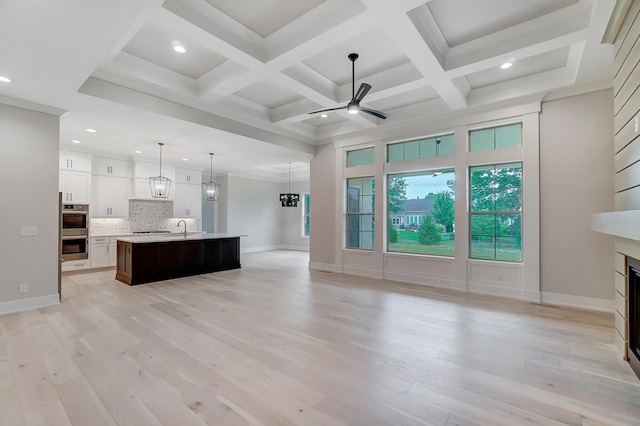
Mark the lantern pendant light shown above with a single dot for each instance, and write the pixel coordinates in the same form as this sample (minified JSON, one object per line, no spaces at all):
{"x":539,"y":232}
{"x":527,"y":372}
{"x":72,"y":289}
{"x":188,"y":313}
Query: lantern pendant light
{"x":210,"y":190}
{"x":160,"y":186}
{"x":289,"y":199}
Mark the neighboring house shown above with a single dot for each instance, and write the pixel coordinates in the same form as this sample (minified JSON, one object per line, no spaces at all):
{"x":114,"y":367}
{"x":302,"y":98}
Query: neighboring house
{"x":410,"y":217}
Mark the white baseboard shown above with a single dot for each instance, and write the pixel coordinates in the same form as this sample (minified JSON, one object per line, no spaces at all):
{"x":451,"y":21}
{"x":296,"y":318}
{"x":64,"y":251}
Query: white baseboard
{"x":531,"y":296}
{"x":29,"y":304}
{"x":276,"y":247}
{"x":293,"y":247}
{"x":589,"y":303}
{"x":326,"y":267}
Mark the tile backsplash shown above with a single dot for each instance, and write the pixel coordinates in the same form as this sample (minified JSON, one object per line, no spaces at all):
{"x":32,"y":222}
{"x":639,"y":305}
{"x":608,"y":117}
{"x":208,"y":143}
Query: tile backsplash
{"x":143,"y":216}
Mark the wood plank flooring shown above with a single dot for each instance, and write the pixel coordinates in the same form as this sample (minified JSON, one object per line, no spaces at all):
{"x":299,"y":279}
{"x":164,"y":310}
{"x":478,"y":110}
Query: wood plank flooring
{"x":276,"y":344}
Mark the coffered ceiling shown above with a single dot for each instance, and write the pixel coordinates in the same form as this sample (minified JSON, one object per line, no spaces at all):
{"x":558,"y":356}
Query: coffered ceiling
{"x":252,"y":71}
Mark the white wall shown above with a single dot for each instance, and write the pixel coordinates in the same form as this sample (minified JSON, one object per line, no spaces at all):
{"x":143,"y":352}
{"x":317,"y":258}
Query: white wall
{"x":29,"y":173}
{"x":576,"y":180}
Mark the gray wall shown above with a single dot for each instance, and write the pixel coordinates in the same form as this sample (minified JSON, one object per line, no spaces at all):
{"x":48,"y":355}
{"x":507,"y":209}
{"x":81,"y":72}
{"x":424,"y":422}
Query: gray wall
{"x":29,"y":173}
{"x":576,"y":180}
{"x":251,"y":207}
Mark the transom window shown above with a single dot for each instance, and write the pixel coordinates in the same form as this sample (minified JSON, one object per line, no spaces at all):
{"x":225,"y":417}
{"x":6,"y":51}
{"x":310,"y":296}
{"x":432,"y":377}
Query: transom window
{"x":361,"y":157}
{"x":495,"y":137}
{"x":420,"y":148}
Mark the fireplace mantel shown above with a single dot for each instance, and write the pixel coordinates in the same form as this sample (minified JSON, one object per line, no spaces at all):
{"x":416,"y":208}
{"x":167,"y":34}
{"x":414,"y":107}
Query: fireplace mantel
{"x":624,"y":224}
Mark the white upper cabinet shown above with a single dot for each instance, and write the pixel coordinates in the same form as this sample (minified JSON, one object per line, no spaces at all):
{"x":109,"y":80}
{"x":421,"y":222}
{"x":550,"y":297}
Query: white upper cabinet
{"x":188,"y":176}
{"x":110,"y":196}
{"x":77,"y":161}
{"x":75,"y":186}
{"x":111,"y":167}
{"x":187,"y":200}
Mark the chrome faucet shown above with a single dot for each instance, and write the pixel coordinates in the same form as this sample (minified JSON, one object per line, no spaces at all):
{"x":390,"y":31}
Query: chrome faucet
{"x":185,"y":226}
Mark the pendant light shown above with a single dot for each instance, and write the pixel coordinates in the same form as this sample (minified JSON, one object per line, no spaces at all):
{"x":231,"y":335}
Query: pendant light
{"x":210,"y":190}
{"x":160,"y":186}
{"x":289,"y":199}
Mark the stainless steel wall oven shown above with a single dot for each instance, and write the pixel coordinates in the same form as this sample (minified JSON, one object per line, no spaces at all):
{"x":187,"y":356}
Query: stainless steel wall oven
{"x":75,"y":231}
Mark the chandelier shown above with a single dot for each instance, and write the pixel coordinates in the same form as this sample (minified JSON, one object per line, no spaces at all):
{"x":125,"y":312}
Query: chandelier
{"x":289,"y":199}
{"x":160,"y":186}
{"x":210,"y":190}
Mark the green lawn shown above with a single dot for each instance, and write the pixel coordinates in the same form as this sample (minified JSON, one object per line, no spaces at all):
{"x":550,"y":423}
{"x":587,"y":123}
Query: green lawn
{"x":408,"y":243}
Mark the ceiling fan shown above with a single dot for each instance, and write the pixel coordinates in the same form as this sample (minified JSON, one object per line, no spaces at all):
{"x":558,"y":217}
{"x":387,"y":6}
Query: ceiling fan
{"x":353,"y":107}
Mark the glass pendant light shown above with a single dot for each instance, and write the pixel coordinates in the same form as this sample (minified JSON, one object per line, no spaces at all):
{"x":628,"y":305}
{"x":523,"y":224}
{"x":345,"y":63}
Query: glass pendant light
{"x":210,"y":190}
{"x":289,"y":199}
{"x":160,"y":186}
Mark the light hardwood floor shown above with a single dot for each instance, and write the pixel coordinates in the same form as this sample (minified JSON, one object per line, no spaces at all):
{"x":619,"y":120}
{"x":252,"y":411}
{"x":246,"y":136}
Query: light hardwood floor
{"x":275,"y":344}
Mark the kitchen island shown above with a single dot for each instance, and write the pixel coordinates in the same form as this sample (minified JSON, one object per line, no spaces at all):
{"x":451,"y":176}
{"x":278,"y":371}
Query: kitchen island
{"x":155,"y":258}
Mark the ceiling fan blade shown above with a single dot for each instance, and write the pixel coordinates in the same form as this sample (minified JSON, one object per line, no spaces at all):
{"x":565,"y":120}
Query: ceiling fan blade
{"x":327,"y":110}
{"x":362,"y":90}
{"x":379,"y":114}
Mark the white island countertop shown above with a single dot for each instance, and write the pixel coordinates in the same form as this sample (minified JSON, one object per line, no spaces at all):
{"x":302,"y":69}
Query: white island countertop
{"x":159,"y":238}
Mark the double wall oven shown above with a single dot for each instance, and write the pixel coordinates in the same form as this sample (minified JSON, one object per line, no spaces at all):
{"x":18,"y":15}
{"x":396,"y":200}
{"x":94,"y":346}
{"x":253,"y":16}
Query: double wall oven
{"x":74,"y":220}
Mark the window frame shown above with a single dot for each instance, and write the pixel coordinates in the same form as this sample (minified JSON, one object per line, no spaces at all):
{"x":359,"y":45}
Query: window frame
{"x":495,"y":214}
{"x":415,"y":219}
{"x":359,"y":214}
{"x":306,"y":214}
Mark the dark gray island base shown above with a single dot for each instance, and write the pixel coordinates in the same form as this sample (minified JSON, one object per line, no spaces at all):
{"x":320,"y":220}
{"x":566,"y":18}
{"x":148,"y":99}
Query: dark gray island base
{"x":146,"y":259}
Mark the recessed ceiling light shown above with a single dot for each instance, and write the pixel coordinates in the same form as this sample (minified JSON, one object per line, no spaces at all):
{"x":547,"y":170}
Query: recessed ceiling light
{"x":185,"y":159}
{"x":179,"y":49}
{"x":324,"y":115}
{"x":137,"y":151}
{"x":506,"y":65}
{"x":75,"y":141}
{"x":91,"y":130}
{"x":5,"y":79}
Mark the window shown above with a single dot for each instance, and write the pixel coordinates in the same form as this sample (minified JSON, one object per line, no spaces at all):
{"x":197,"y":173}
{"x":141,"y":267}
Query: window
{"x":496,"y":212}
{"x":421,"y":148}
{"x":306,"y":205}
{"x":421,"y":213}
{"x":360,"y":213}
{"x":361,"y":157}
{"x":495,"y":137}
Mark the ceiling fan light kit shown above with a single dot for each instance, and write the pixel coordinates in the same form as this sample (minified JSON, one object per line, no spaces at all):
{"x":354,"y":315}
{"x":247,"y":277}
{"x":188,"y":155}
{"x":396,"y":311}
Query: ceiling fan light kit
{"x":353,"y":107}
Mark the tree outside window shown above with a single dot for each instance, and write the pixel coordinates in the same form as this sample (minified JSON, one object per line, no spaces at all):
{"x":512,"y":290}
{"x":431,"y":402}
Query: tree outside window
{"x":496,"y":212}
{"x":421,"y":213}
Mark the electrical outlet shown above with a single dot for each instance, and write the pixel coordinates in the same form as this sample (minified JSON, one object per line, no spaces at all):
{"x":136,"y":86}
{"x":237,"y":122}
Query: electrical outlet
{"x":24,"y":288}
{"x":28,"y":231}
